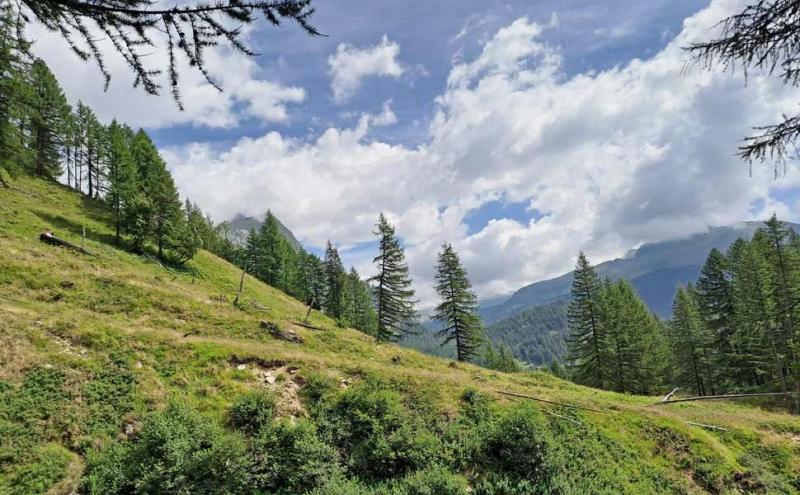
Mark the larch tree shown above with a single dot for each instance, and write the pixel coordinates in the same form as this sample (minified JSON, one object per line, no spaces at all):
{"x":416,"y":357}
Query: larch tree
{"x":11,"y":91}
{"x":271,"y":241}
{"x":137,"y":28}
{"x":458,"y":309}
{"x":335,"y":293}
{"x":363,"y":311}
{"x":47,"y":114}
{"x":394,"y":296}
{"x":122,"y":173}
{"x":764,"y":36}
{"x":587,"y":340}
{"x":715,"y":300}
{"x":691,"y":341}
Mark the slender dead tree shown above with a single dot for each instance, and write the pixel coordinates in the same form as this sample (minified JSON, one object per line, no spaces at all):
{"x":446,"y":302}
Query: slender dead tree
{"x":136,"y":28}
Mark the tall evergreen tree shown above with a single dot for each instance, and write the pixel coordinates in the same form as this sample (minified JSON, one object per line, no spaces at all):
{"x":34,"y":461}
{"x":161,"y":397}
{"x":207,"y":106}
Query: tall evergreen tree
{"x":715,"y":299}
{"x":122,"y":173}
{"x":458,"y":307}
{"x":692,"y":342}
{"x":587,"y":340}
{"x":363,"y":315}
{"x":394,"y":296}
{"x":271,"y":248}
{"x":47,"y":115}
{"x":11,"y":90}
{"x":335,"y":292}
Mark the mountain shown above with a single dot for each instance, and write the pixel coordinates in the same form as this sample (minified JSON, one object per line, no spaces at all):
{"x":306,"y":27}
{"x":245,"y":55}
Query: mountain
{"x":120,"y":375}
{"x":536,"y":335}
{"x":655,"y":270}
{"x":241,"y":225}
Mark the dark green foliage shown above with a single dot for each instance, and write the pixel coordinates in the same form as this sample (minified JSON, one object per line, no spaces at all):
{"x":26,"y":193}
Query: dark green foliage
{"x":520,"y":446}
{"x":253,"y":412}
{"x":291,"y":458}
{"x":378,"y":435}
{"x":692,"y":344}
{"x":392,"y":285}
{"x":361,"y":311}
{"x":335,"y":279}
{"x":500,"y":359}
{"x":177,"y":451}
{"x":715,"y":301}
{"x":458,"y":307}
{"x":435,"y":480}
{"x":537,"y":335}
{"x":48,"y":111}
{"x":587,"y":340}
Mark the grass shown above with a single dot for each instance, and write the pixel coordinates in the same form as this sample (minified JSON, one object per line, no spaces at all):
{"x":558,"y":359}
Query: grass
{"x":91,"y":344}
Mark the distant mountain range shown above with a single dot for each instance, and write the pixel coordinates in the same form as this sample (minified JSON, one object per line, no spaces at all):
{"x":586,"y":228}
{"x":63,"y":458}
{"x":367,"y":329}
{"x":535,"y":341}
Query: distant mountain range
{"x":532,"y":322}
{"x":240,"y":225}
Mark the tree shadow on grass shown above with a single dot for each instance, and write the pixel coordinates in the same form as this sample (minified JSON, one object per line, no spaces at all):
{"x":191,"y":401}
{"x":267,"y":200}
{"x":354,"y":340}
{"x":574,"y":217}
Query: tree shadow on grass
{"x":75,"y":230}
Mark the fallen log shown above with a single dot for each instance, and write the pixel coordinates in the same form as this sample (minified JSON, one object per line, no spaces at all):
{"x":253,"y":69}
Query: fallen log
{"x":669,"y":395}
{"x":724,"y":397}
{"x":287,"y":335}
{"x":512,"y":394}
{"x":709,"y":427}
{"x":307,"y":325}
{"x":49,"y":238}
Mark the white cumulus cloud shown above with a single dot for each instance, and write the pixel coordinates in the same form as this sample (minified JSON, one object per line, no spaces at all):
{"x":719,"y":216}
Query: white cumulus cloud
{"x":350,"y":65}
{"x":609,"y":160}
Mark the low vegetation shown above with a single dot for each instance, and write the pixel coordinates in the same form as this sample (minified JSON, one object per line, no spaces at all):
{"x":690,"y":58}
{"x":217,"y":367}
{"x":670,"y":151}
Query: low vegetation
{"x":120,"y":376}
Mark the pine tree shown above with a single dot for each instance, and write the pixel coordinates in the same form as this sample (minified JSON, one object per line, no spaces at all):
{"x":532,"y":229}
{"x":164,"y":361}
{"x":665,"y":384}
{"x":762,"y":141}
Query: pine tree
{"x":784,"y":259}
{"x":47,"y":114}
{"x":692,"y":342}
{"x":392,"y":286}
{"x":12,"y":50}
{"x":458,"y":307}
{"x":122,"y":173}
{"x":587,"y":340}
{"x":271,"y":239}
{"x":715,"y":299}
{"x":334,"y":283}
{"x":755,"y":340}
{"x":252,"y":253}
{"x":314,"y":280}
{"x":363,"y":315}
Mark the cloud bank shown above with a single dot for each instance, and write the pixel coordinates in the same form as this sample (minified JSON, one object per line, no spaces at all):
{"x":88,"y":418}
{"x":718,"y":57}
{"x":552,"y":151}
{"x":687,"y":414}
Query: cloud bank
{"x":350,"y":65}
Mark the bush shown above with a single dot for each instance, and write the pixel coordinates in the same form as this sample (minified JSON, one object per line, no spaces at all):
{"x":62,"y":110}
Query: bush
{"x":520,"y":445}
{"x":292,"y":459}
{"x":177,"y":451}
{"x":48,"y":465}
{"x":379,"y":435}
{"x":253,"y":411}
{"x":436,"y":480}
{"x":503,"y":485}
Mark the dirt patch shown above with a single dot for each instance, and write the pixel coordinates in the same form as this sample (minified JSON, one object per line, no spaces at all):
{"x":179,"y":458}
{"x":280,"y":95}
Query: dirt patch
{"x":276,"y":375}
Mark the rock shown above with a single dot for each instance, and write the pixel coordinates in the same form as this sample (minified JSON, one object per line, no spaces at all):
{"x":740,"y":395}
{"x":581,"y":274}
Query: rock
{"x":292,"y":370}
{"x":138,"y":365}
{"x":344,"y":383}
{"x":67,"y":284}
{"x":269,"y":378}
{"x":452,"y":364}
{"x":241,"y":367}
{"x":396,"y":359}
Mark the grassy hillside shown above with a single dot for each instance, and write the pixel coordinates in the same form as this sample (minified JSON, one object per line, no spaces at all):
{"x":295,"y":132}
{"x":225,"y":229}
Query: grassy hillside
{"x":92,"y":346}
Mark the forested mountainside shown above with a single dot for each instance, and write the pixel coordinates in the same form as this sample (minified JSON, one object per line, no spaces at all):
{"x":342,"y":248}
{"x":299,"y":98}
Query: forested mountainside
{"x":117,"y":372}
{"x":655,"y":270}
{"x":536,"y":335}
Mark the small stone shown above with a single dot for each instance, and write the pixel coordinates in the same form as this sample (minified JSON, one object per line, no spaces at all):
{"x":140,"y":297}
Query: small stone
{"x":241,"y":367}
{"x":269,"y":378}
{"x":138,"y":365}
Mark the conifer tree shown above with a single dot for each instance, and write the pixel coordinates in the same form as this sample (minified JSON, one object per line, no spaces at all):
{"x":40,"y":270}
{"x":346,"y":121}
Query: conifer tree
{"x":11,"y":91}
{"x":334,"y":283}
{"x":394,"y":296}
{"x":715,"y":300}
{"x":122,"y":173}
{"x":458,"y":307}
{"x":692,"y":342}
{"x":587,"y":340}
{"x":47,"y":114}
{"x":252,"y":253}
{"x":314,"y":280}
{"x":271,"y":249}
{"x":363,"y":315}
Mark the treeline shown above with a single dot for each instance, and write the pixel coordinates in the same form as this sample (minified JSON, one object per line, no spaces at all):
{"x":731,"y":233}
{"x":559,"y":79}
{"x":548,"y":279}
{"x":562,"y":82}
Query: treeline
{"x":734,"y":331}
{"x":42,"y":135}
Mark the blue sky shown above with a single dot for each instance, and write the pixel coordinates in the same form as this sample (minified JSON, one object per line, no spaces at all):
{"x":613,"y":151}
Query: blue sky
{"x":520,"y":132}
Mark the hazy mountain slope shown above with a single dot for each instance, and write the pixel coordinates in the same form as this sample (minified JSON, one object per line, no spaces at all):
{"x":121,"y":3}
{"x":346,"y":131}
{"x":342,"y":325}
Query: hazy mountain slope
{"x":535,"y":335}
{"x":91,"y":345}
{"x":240,"y":225}
{"x":655,"y":270}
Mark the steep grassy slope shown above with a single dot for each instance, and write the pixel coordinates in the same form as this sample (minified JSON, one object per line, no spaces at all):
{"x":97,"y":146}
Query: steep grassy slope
{"x":90,"y":345}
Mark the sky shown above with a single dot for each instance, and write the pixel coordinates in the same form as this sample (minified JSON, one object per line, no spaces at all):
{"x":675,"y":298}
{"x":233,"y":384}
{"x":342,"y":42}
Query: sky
{"x":521,"y":132}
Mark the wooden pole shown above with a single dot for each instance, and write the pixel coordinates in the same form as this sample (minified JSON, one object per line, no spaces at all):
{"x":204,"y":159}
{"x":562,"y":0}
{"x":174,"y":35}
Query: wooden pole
{"x":511,"y":394}
{"x":241,"y":284}
{"x":669,"y":395}
{"x":727,"y":396}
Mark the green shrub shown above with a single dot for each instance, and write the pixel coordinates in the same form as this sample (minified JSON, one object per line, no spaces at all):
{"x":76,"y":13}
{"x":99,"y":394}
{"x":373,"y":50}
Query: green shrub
{"x":378,"y":435}
{"x":342,"y":486}
{"x":475,"y":405}
{"x":519,"y":444}
{"x":435,"y":480}
{"x":253,"y":411}
{"x":292,"y":459}
{"x":48,"y":465}
{"x":503,"y":485}
{"x":177,"y":451}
